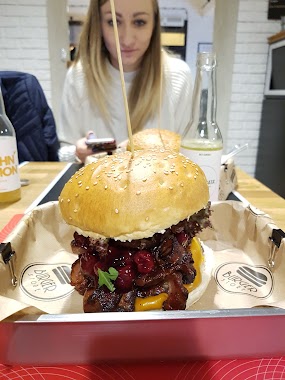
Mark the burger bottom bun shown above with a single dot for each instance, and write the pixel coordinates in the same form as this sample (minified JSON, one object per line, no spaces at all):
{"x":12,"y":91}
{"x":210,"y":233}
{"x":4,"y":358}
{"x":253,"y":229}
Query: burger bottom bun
{"x":206,"y":269}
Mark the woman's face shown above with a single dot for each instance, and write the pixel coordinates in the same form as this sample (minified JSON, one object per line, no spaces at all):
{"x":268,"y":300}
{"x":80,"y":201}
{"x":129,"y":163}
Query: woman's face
{"x":135,"y":20}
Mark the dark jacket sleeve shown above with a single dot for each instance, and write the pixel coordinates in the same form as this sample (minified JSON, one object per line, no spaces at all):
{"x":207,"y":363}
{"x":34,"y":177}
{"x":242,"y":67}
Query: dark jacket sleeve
{"x":32,"y":118}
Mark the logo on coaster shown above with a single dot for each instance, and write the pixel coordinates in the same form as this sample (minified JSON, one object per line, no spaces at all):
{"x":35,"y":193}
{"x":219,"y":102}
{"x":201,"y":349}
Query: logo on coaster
{"x":46,"y":282}
{"x":240,"y":278}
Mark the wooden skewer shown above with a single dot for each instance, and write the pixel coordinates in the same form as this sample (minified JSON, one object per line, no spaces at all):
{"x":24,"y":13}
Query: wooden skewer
{"x":160,"y":100}
{"x":114,"y":19}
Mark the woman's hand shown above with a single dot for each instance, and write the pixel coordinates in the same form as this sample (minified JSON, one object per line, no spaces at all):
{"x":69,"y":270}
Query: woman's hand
{"x":82,"y":150}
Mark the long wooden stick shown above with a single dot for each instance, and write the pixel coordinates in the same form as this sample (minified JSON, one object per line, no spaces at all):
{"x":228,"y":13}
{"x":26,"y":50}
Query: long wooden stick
{"x":114,"y":19}
{"x":160,"y":98}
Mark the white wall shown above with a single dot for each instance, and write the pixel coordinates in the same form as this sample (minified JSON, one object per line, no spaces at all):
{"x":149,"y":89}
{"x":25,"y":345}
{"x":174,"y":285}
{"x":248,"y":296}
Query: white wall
{"x":59,"y":54}
{"x":24,"y":39}
{"x":248,"y":78}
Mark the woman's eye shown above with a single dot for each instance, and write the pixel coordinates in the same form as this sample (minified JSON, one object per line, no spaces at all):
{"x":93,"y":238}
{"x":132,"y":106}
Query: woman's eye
{"x":110,"y":22}
{"x":140,"y":22}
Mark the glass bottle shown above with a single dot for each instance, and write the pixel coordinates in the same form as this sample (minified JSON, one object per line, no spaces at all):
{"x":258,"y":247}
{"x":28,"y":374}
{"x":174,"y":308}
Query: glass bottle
{"x":10,"y":186}
{"x":202,"y":140}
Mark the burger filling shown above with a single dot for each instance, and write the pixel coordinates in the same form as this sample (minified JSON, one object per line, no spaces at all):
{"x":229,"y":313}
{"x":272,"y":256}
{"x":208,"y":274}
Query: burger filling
{"x":139,"y":274}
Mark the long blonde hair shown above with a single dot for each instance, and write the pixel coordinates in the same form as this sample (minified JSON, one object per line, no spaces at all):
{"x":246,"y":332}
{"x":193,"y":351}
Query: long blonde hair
{"x":144,"y":95}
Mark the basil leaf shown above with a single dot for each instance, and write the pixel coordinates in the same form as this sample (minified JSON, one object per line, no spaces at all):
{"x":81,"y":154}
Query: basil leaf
{"x":106,"y":278}
{"x":113,"y":273}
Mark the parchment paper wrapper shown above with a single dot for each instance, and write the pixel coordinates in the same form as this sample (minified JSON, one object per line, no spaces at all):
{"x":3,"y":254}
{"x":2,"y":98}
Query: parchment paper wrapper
{"x":241,"y":276}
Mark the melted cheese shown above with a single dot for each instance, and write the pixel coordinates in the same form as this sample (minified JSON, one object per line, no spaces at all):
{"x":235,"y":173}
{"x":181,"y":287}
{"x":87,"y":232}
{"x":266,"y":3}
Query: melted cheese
{"x":156,"y":302}
{"x":150,"y":303}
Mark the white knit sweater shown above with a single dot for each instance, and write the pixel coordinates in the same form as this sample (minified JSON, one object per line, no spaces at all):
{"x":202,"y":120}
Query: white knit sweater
{"x":78,"y":115}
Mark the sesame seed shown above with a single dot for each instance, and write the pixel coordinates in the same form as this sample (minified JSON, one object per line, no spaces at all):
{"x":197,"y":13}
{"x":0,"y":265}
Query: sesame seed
{"x":87,"y":187}
{"x":147,"y":218}
{"x":76,"y":195}
{"x":138,"y":192}
{"x":68,"y":201}
{"x":181,"y":184}
{"x":75,"y":210}
{"x":195,"y":177}
{"x":70,"y":218}
{"x":61,"y":200}
{"x":116,"y":211}
{"x":95,"y":183}
{"x":144,"y":179}
{"x":170,"y":188}
{"x":106,"y":187}
{"x":79,"y":182}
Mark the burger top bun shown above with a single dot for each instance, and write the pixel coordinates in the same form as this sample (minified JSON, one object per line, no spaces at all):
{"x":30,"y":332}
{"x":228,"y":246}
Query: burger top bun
{"x":127,"y":198}
{"x":156,"y":138}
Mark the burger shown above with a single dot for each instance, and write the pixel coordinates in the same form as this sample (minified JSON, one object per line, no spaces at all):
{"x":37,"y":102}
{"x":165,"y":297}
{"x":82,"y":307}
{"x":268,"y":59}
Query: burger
{"x":156,"y":138}
{"x":135,"y":220}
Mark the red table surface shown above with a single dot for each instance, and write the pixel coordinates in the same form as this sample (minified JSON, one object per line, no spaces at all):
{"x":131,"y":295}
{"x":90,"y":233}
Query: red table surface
{"x":243,"y":369}
{"x":250,"y":369}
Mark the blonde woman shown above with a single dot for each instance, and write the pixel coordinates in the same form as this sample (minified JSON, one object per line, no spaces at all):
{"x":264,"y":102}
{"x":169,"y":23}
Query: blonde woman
{"x":159,"y":86}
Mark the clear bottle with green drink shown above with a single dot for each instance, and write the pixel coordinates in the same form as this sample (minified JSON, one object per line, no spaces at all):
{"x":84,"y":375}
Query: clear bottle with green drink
{"x":202,"y":140}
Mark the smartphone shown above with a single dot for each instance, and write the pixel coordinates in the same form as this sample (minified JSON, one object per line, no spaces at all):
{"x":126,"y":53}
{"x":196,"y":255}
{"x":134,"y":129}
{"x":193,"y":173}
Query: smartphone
{"x":101,"y":145}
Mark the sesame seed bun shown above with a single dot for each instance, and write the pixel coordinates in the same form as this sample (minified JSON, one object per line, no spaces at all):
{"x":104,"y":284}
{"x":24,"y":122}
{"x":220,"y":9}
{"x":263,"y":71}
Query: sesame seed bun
{"x":156,"y":138}
{"x":127,"y":198}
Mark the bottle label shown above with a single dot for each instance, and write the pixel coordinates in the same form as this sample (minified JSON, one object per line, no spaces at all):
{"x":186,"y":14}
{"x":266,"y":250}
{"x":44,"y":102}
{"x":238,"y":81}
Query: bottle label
{"x":9,"y":175}
{"x":210,"y":162}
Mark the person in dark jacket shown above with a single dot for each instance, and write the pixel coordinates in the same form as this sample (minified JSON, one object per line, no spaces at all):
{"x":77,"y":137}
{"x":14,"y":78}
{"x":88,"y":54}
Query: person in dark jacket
{"x":32,"y":118}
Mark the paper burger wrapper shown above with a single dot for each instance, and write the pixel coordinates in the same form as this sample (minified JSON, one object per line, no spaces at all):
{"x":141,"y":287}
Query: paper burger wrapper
{"x":240,"y":278}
